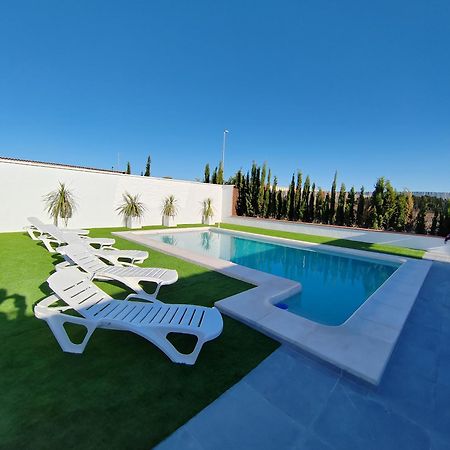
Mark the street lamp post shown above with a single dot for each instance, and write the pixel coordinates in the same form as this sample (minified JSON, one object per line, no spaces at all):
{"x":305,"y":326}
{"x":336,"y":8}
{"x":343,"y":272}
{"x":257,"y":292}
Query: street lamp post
{"x":225,"y":132}
{"x":224,"y":143}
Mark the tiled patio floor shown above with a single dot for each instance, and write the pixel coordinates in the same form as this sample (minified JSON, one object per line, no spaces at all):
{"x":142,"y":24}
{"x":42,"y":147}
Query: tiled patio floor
{"x":293,"y":402}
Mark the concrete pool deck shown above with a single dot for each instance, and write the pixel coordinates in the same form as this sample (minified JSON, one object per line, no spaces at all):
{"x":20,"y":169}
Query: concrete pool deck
{"x":372,"y":330}
{"x":291,"y":401}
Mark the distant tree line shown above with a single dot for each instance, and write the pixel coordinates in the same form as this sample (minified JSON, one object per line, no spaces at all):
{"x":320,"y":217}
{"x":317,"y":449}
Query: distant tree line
{"x":383,"y":209}
{"x":216,"y":177}
{"x":147,"y":168}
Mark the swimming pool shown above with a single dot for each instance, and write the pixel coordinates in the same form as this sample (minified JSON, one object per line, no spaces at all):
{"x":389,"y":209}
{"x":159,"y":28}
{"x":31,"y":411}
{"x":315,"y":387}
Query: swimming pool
{"x":333,"y":285}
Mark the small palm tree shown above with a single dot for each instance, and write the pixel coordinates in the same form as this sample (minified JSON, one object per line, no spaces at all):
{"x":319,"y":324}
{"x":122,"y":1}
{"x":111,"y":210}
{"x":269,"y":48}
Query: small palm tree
{"x":169,"y":207}
{"x":131,"y":208}
{"x":60,"y":204}
{"x":207,"y":210}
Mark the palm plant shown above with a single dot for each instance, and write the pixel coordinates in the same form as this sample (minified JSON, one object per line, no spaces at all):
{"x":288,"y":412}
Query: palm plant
{"x":207,"y":210}
{"x":131,"y":208}
{"x":169,"y":208}
{"x":60,"y":204}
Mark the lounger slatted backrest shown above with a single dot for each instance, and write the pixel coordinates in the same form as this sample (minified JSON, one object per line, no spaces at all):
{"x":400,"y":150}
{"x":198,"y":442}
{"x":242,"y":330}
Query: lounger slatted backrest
{"x":42,"y":227}
{"x":49,"y":229}
{"x":35,"y":222}
{"x":83,"y":258}
{"x":82,"y":295}
{"x":78,"y":292}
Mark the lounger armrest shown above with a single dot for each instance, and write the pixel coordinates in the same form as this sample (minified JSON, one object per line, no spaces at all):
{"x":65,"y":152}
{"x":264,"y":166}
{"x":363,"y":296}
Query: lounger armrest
{"x":43,"y":308}
{"x":148,"y":298}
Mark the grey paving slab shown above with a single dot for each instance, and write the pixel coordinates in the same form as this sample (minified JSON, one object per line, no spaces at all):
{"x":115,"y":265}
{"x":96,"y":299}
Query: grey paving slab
{"x":301,"y":391}
{"x":352,"y":421}
{"x":243,"y":418}
{"x":292,"y":401}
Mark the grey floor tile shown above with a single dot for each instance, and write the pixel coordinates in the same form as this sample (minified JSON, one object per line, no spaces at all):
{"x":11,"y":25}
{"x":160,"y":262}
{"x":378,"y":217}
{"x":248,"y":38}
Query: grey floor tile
{"x":312,"y":442}
{"x":299,"y":388}
{"x":352,"y":421}
{"x":242,"y":418}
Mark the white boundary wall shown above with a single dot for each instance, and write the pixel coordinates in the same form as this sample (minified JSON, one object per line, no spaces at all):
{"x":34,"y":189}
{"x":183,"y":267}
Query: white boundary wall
{"x":23,"y":185}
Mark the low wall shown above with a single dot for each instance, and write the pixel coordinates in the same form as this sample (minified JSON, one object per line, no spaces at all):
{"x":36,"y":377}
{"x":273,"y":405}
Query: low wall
{"x":97,"y":193}
{"x":428,"y":243}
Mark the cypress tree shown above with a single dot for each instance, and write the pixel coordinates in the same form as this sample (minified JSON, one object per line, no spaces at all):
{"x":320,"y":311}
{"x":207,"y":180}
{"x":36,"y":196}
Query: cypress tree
{"x":398,"y":219}
{"x":147,"y":167}
{"x":274,"y":199}
{"x":256,"y":184}
{"x":332,"y":211}
{"x":239,"y":183}
{"x":361,"y":207}
{"x":434,"y":223}
{"x":248,"y":197}
{"x":263,"y":174}
{"x":219,"y":177}
{"x":207,"y":174}
{"x":267,"y":197}
{"x":326,"y":209}
{"x":128,"y":171}
{"x":305,"y":198}
{"x":376,"y":217}
{"x":340,"y":212}
{"x":389,"y":205}
{"x":350,"y":209}
{"x":311,"y":212}
{"x":290,"y":206}
{"x":262,"y":188}
{"x":420,"y":221}
{"x":214,"y":176}
{"x":254,"y":188}
{"x":298,"y":197}
{"x":409,"y":211}
{"x":444,"y":219}
{"x":318,"y":215}
{"x":280,"y":204}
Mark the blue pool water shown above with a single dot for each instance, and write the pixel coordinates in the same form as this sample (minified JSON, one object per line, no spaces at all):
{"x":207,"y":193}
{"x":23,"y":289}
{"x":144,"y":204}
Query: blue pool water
{"x":334,"y":286}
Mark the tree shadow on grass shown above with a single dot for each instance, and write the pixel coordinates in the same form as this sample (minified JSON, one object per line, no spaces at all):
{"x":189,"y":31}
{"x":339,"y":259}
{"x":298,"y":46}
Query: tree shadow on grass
{"x":77,"y":401}
{"x":19,"y":305}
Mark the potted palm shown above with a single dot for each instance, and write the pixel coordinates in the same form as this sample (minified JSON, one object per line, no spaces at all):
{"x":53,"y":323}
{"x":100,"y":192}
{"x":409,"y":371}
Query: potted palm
{"x":132,"y":210}
{"x":169,"y":211}
{"x":207,"y":211}
{"x":60,"y":204}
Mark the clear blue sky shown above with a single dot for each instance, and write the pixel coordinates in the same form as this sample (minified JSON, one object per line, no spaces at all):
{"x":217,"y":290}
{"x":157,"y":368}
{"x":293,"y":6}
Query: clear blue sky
{"x":358,"y":86}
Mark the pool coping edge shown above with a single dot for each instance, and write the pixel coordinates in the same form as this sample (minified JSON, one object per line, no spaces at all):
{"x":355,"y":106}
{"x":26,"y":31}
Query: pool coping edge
{"x":361,"y":346}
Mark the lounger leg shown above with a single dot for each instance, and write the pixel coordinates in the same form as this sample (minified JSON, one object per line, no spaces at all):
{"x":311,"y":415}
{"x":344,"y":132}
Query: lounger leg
{"x":56,"y":324}
{"x":133,"y":284}
{"x":158,"y":287}
{"x":32,"y":232}
{"x":159,"y":339}
{"x":48,"y":245}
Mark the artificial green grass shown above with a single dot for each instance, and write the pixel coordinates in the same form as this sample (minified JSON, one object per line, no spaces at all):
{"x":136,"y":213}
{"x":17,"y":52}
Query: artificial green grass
{"x":122,"y":392}
{"x":379,"y":248}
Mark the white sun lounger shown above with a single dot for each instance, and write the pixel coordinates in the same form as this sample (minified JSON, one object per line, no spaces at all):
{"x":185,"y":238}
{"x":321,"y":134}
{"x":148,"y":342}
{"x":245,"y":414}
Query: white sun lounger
{"x":35,"y":230}
{"x":53,"y":237}
{"x":43,"y":232}
{"x":152,"y":321}
{"x":114,"y":256}
{"x":77,"y":255}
